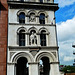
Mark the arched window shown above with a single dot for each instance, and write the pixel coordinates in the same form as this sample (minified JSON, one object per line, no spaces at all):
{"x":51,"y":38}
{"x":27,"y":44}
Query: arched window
{"x":43,"y":38}
{"x":44,"y":66}
{"x":42,"y":18}
{"x":22,"y":38}
{"x":22,"y":66}
{"x":41,"y":1}
{"x":22,"y":17}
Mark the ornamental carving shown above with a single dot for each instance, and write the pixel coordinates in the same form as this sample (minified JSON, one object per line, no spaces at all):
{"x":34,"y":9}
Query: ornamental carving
{"x":32,"y":17}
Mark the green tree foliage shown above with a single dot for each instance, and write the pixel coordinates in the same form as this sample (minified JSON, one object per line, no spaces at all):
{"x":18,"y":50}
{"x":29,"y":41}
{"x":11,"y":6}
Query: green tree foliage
{"x":68,"y":69}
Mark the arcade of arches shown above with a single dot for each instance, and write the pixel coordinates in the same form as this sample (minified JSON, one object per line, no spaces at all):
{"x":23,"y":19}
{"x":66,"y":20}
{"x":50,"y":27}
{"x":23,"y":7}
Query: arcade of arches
{"x":22,"y":67}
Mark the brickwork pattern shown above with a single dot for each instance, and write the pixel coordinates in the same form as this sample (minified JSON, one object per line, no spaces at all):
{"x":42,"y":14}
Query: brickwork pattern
{"x":3,"y":36}
{"x":69,"y":74}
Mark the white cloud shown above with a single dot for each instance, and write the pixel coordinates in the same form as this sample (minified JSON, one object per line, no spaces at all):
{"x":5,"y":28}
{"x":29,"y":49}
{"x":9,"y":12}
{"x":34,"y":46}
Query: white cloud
{"x":63,"y":3}
{"x":68,"y":58}
{"x":66,"y":36}
{"x":61,"y":54}
{"x":66,"y":30}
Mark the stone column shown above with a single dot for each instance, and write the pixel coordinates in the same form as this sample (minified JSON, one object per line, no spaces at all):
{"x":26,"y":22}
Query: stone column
{"x":54,"y":69}
{"x":38,"y":40}
{"x":10,"y":69}
{"x":46,"y":20}
{"x":37,"y":20}
{"x":26,"y":40}
{"x":51,"y":70}
{"x":47,"y":40}
{"x":33,"y":69}
{"x":27,"y":19}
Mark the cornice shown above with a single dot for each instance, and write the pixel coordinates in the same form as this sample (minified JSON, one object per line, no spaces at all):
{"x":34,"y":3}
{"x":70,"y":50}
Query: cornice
{"x":33,"y":47}
{"x":32,"y":24}
{"x":37,"y":5}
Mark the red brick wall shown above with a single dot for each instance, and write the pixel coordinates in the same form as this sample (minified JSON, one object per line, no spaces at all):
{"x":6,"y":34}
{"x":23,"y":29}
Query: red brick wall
{"x":3,"y":36}
{"x":69,"y":74}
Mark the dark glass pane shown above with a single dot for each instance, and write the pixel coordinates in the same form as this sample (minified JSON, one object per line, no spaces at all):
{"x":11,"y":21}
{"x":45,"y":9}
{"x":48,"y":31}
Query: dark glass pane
{"x":41,"y":1}
{"x":48,"y":0}
{"x":22,"y":38}
{"x":42,"y":19}
{"x":22,"y":18}
{"x":21,"y":66}
{"x":22,"y":0}
{"x":43,"y":39}
{"x":45,"y":67}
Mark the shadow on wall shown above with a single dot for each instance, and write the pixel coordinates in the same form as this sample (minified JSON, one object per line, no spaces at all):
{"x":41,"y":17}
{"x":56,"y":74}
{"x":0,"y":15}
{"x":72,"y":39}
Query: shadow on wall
{"x":2,"y":7}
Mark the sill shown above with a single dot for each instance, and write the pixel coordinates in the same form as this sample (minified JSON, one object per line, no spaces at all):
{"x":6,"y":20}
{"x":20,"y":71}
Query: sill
{"x":30,"y":47}
{"x":33,"y":24}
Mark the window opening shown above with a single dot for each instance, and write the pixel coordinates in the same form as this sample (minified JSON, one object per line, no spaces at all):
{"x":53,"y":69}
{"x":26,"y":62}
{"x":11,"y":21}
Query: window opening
{"x":22,"y":38}
{"x":48,"y":0}
{"x":22,"y":66}
{"x":42,"y":18}
{"x":43,"y":38}
{"x":41,"y":1}
{"x":22,"y":0}
{"x":44,"y":66}
{"x":22,"y":18}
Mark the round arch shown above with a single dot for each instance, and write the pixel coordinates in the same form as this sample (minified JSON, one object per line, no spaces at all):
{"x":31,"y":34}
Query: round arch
{"x":32,"y":28}
{"x":16,"y":56}
{"x":32,"y":11}
{"x":43,"y":28}
{"x":45,"y":54}
{"x":21,"y":11}
{"x":43,"y":13}
{"x":21,"y":28}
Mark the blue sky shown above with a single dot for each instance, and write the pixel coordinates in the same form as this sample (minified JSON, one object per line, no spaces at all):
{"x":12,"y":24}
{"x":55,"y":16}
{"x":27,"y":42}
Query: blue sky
{"x":65,"y":20}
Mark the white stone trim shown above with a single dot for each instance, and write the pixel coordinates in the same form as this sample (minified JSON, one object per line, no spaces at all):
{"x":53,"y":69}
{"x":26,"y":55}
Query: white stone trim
{"x":32,"y":11}
{"x":45,"y":54}
{"x":43,"y":13}
{"x":32,"y":28}
{"x":16,"y":56}
{"x":22,"y":10}
{"x":43,"y":28}
{"x":21,"y":28}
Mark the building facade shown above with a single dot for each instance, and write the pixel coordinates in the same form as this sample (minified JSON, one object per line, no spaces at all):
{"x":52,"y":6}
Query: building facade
{"x":74,"y":52}
{"x":32,"y":40}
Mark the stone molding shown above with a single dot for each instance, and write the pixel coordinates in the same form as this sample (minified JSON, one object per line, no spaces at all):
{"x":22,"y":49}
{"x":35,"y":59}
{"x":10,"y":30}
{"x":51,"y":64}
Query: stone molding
{"x":34,"y":47}
{"x":46,"y":6}
{"x":33,"y":24}
{"x":54,"y":62}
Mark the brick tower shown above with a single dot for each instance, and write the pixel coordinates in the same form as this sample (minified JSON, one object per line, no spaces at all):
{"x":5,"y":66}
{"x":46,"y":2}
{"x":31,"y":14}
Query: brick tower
{"x":3,"y":35}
